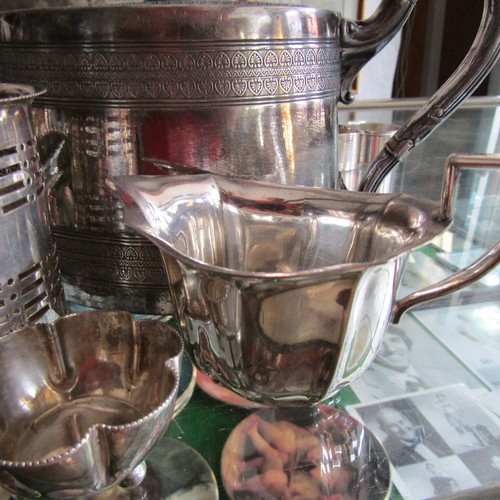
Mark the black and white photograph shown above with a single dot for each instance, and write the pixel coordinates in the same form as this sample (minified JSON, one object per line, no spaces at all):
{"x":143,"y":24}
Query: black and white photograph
{"x":491,"y":400}
{"x":437,"y":478}
{"x":465,"y":426}
{"x":485,"y":464}
{"x":472,"y":332}
{"x":442,"y":434}
{"x":405,"y":432}
{"x":410,"y":360}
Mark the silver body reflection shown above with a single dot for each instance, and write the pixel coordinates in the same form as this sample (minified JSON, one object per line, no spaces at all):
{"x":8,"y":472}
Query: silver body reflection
{"x":282,"y":293}
{"x":30,"y":277}
{"x":240,"y":89}
{"x":83,"y":401}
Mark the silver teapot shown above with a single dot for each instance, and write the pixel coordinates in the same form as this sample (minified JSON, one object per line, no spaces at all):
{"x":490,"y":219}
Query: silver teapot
{"x":243,"y":90}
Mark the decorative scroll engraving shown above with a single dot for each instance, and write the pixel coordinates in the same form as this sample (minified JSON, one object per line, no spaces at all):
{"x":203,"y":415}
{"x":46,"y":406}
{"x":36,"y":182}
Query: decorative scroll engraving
{"x":174,"y":74}
{"x":122,"y":260}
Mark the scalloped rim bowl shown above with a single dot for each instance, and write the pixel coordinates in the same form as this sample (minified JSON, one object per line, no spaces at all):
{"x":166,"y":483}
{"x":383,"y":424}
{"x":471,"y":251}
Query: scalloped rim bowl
{"x":83,"y":400}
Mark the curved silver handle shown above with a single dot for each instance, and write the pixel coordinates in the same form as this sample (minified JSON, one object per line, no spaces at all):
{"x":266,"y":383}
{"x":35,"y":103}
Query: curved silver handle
{"x":361,"y":40}
{"x":474,"y":68}
{"x":474,"y":271}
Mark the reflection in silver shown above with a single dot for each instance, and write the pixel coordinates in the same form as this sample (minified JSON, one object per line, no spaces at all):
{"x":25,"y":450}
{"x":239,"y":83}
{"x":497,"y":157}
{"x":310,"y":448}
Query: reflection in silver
{"x":97,"y":392}
{"x":236,"y":89}
{"x":282,"y":293}
{"x":30,"y":278}
{"x":306,"y":453}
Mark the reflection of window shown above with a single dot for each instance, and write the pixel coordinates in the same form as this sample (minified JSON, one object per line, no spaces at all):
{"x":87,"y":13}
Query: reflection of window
{"x":476,"y":222}
{"x":476,"y":216}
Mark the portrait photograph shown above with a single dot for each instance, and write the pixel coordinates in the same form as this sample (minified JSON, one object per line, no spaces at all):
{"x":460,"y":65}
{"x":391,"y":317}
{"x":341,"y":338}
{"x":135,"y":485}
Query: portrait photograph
{"x":436,"y":478}
{"x":441,"y":434}
{"x":405,"y":432}
{"x":409,"y":360}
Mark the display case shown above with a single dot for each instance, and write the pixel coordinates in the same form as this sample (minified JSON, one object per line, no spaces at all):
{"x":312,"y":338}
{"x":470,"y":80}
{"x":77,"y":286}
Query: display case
{"x":453,"y":343}
{"x":444,"y":381}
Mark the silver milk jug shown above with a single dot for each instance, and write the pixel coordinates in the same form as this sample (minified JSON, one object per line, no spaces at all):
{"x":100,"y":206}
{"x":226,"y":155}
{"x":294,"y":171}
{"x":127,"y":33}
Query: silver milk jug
{"x":237,"y":89}
{"x":284,"y":293}
{"x":30,"y":278}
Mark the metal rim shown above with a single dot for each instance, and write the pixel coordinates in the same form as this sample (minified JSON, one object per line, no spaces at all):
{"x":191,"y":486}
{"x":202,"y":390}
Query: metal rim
{"x":14,"y":93}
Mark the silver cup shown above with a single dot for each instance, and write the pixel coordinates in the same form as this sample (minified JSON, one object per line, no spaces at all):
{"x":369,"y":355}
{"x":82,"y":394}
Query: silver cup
{"x":359,"y":144}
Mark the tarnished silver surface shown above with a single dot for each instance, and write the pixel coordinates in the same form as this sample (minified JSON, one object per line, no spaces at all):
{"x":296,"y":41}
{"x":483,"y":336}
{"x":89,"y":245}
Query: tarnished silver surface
{"x":30,"y":278}
{"x":103,"y":265}
{"x":238,"y":89}
{"x":282,"y":293}
{"x":83,"y":400}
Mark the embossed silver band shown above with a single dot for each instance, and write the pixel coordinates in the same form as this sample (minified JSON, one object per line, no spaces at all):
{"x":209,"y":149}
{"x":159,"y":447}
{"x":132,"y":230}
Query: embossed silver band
{"x":171,"y":74}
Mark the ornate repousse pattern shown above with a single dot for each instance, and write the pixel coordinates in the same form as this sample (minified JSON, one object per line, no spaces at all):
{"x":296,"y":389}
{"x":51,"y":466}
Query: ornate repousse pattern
{"x":174,"y":74}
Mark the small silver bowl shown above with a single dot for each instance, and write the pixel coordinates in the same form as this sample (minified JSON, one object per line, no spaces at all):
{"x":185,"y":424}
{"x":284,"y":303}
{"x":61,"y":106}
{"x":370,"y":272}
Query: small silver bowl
{"x":83,"y":401}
